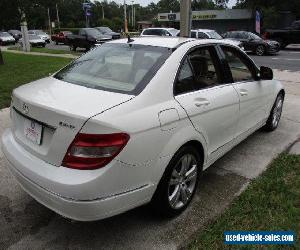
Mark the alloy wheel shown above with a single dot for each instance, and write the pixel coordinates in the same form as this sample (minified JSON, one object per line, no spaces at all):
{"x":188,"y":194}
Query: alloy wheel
{"x":260,"y":50}
{"x":277,"y":112}
{"x":183,"y":181}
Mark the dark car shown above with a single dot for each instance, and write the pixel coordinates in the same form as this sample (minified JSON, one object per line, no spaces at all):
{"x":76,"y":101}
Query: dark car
{"x":87,"y":38}
{"x":254,"y":43}
{"x":285,"y":36}
{"x":61,"y":37}
{"x":16,"y":34}
{"x":108,"y":31}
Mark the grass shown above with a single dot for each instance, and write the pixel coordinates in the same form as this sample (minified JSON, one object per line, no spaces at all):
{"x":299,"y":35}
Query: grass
{"x":270,"y":203}
{"x":19,"y":69}
{"x":48,"y":51}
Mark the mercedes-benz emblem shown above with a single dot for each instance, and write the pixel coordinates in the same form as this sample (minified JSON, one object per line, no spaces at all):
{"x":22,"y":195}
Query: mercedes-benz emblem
{"x":25,"y":108}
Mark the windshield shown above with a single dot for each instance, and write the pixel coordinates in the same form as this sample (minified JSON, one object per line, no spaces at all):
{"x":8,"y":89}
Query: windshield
{"x":105,"y":29}
{"x":173,"y":32}
{"x":93,"y":32}
{"x":253,"y":36}
{"x":39,"y":32}
{"x":4,"y":34}
{"x":214,"y":35}
{"x":123,"y":68}
{"x":33,"y":37}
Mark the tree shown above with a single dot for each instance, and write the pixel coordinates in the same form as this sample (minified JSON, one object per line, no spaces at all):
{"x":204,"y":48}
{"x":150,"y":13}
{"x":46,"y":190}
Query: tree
{"x":203,"y":5}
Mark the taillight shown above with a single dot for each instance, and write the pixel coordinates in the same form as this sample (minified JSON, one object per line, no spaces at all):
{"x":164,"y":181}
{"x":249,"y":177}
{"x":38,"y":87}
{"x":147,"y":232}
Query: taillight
{"x":89,"y":151}
{"x":266,"y":35}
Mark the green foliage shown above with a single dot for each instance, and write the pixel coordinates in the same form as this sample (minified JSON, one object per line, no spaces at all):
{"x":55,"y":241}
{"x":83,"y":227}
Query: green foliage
{"x":20,"y":69}
{"x":72,"y":15}
{"x":271,"y":202}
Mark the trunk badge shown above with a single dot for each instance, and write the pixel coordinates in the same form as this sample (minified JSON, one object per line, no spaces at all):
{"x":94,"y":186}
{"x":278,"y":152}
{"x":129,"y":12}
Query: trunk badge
{"x":25,"y":108}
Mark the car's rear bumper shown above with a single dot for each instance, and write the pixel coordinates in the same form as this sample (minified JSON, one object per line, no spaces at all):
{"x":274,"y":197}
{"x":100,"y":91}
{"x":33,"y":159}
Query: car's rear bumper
{"x":89,"y":209}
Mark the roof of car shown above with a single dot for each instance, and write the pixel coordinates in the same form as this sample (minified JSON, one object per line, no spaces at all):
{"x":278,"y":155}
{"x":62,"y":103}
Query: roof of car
{"x":167,"y":42}
{"x":202,"y":30}
{"x":159,"y":28}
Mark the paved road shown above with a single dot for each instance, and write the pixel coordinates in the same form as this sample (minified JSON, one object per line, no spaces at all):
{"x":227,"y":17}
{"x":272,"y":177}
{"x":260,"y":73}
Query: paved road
{"x":287,"y":59}
{"x":25,"y":224}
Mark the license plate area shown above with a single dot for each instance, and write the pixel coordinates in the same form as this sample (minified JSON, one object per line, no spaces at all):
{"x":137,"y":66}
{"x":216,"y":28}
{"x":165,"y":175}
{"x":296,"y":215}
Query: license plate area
{"x":33,"y":131}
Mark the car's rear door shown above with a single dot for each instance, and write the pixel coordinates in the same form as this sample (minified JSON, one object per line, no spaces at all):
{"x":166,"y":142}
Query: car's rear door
{"x":211,"y":104}
{"x":255,"y":95}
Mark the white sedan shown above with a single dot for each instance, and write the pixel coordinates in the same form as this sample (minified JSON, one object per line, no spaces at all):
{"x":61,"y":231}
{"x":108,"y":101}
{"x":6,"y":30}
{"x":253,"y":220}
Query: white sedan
{"x":136,"y":121}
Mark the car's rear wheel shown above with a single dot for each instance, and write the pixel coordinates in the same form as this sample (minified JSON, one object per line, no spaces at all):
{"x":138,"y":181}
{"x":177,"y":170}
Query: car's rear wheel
{"x":275,"y":115}
{"x":179,"y":182}
{"x":260,"y":50}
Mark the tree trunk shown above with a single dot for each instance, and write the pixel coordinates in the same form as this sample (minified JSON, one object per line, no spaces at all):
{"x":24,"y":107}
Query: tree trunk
{"x":1,"y":58}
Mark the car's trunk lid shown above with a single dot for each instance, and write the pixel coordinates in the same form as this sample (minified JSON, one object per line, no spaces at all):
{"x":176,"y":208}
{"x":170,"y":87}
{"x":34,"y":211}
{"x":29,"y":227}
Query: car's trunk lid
{"x":62,"y":109}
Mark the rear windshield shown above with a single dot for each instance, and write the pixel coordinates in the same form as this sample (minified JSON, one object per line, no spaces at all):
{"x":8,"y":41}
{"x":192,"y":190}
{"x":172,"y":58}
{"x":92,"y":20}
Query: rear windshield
{"x":122,"y":68}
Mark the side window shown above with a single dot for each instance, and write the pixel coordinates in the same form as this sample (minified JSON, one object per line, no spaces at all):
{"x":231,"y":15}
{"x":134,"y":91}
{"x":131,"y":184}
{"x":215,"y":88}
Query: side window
{"x":202,"y":35}
{"x":239,"y":67}
{"x":198,"y":71}
{"x":185,"y":80}
{"x":82,"y":32}
{"x":206,"y":73}
{"x":193,"y":34}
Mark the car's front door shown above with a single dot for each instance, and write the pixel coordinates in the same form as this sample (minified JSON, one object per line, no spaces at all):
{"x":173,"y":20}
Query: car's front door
{"x":211,"y":104}
{"x":255,"y":95}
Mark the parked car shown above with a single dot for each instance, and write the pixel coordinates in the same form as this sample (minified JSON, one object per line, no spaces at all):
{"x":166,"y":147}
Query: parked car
{"x":285,"y":36}
{"x":6,"y":39}
{"x":16,"y":34}
{"x":35,"y":41}
{"x":136,"y":121}
{"x":87,"y":38}
{"x":160,"y":32}
{"x":254,"y":43}
{"x":61,"y":37}
{"x":109,"y":32}
{"x":43,"y":35}
{"x":212,"y":34}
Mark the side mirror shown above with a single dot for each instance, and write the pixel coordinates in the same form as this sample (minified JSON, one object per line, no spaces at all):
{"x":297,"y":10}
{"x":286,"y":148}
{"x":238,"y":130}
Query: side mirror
{"x":266,"y":73}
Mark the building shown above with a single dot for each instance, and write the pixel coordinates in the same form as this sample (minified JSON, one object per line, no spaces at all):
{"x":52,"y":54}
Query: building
{"x":144,"y":24}
{"x":219,"y":20}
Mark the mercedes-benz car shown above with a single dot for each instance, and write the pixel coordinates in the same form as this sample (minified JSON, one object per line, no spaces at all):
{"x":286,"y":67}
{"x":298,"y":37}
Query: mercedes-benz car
{"x":41,"y":34}
{"x":6,"y":39}
{"x":254,"y":43}
{"x":136,"y":121}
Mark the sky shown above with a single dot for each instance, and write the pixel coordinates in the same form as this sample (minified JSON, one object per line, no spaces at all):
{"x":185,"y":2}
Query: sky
{"x":146,"y":2}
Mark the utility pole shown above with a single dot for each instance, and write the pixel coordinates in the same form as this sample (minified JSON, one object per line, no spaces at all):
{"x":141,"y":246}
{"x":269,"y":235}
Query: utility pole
{"x":185,"y":18}
{"x":132,"y":15}
{"x":102,"y":11}
{"x":57,"y":16}
{"x":49,"y":21}
{"x":24,"y":30}
{"x":125,"y":18}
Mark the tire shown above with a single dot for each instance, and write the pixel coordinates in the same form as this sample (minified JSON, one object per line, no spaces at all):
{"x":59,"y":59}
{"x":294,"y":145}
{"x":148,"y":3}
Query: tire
{"x":260,"y":50}
{"x":176,"y":189}
{"x":275,"y":115}
{"x":56,"y":42}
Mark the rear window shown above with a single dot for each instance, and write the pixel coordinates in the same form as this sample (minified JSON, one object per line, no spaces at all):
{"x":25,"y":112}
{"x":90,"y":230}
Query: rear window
{"x":123,"y":68}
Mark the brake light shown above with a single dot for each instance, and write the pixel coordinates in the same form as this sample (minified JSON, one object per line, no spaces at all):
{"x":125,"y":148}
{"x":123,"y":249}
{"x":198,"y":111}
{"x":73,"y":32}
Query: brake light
{"x":266,"y":35}
{"x":93,"y":151}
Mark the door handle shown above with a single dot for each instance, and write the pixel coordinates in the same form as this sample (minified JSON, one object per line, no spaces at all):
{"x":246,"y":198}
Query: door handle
{"x":201,"y":103}
{"x":244,"y":93}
